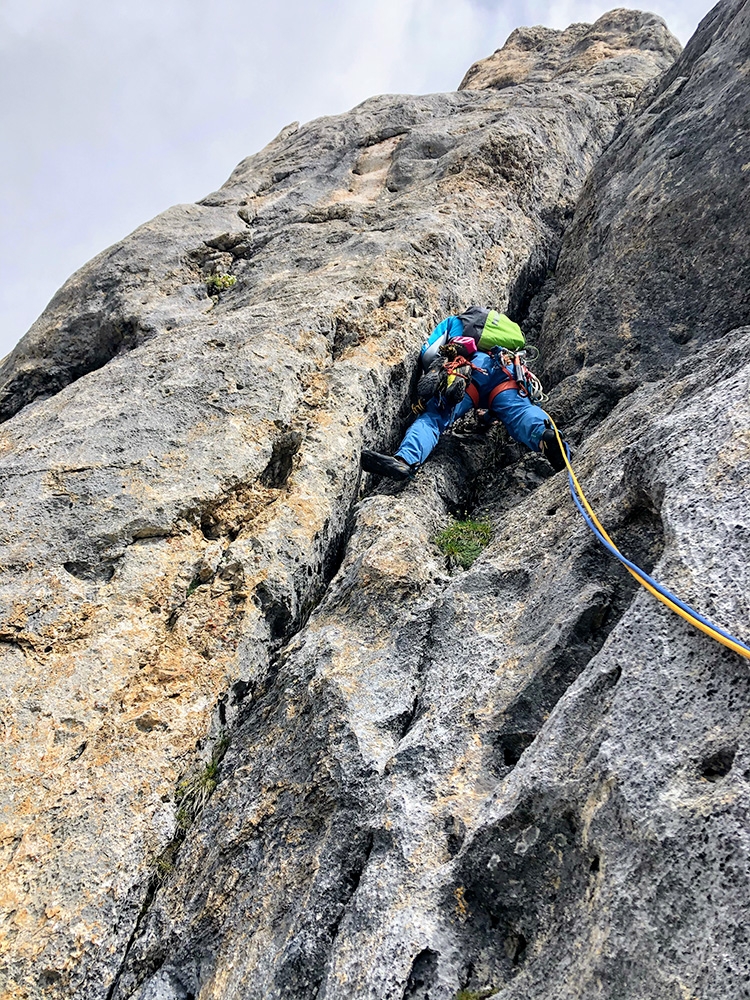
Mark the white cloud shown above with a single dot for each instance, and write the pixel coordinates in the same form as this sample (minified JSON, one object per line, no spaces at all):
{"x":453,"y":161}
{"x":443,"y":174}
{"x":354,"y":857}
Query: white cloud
{"x":111,"y":112}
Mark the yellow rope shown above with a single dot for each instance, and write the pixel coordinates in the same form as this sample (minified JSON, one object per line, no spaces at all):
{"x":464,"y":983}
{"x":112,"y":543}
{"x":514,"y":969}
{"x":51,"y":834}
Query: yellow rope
{"x":707,"y":629}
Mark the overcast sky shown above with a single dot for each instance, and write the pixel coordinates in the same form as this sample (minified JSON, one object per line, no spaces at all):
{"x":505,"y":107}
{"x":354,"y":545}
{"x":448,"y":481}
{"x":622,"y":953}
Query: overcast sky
{"x":113,"y":110}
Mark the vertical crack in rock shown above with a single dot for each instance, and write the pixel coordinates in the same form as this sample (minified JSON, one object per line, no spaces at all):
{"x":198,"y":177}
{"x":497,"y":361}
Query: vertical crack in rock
{"x":518,"y":880}
{"x":424,"y":764}
{"x":611,"y":591}
{"x":273,"y":810}
{"x":150,"y":961}
{"x":282,"y":631}
{"x":278,"y":470}
{"x":153,"y":884}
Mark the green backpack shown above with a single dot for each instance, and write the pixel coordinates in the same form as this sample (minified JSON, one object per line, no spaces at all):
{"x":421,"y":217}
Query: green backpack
{"x":499,"y":331}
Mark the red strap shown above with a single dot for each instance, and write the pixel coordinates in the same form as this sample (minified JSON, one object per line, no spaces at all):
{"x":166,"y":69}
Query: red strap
{"x":454,"y":367}
{"x":509,"y":384}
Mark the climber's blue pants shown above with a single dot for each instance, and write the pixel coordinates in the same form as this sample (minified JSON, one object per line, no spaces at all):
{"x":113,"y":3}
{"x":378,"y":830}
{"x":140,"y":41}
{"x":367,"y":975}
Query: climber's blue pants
{"x":523,"y":420}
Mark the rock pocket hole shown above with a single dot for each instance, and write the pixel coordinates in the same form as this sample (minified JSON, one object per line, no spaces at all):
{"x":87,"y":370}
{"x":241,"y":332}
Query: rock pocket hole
{"x":422,"y":976}
{"x":90,"y":572}
{"x":513,"y":745}
{"x":455,"y":834}
{"x":718,"y":765}
{"x":210,"y":526}
{"x":50,"y":977}
{"x":515,"y":948}
{"x":614,"y":676}
{"x":278,"y":470}
{"x":276,"y":612}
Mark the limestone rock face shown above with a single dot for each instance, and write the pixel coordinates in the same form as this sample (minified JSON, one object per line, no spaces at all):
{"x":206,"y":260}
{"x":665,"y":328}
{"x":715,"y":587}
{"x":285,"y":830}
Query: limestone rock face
{"x":669,"y":197}
{"x":262,"y":739}
{"x":620,"y":52}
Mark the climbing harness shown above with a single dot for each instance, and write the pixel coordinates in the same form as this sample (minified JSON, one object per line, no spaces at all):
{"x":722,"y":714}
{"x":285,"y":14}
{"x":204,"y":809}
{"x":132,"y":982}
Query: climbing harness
{"x":519,"y":375}
{"x":441,"y":379}
{"x":659,"y":592}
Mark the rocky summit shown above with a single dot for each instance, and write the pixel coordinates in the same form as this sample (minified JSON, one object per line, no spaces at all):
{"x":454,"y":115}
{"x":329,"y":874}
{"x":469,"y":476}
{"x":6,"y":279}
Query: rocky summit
{"x":262,"y":737}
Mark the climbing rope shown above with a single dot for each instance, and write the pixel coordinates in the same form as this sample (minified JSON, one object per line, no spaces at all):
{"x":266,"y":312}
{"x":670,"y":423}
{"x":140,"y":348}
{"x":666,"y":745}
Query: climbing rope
{"x":454,"y":367}
{"x":659,"y":592}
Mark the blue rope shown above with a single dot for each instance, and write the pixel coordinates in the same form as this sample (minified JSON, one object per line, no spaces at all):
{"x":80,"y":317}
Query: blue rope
{"x":644,"y":576}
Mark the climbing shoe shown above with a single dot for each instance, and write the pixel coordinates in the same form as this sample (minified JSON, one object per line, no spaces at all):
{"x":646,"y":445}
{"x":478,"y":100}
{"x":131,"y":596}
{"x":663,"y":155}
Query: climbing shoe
{"x":457,"y":382}
{"x":385,"y":465}
{"x":433,"y":382}
{"x":551,"y":450}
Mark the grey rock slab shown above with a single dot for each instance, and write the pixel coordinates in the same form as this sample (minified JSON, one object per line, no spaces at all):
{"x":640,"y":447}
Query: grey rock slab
{"x":552,"y":767}
{"x":454,"y":684}
{"x":667,"y":201}
{"x":623,"y":830}
{"x":179,"y":473}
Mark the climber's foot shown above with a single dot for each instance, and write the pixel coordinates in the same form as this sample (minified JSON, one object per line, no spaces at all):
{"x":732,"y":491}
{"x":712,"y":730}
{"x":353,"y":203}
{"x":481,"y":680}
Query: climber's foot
{"x":385,"y":465}
{"x":550,"y":448}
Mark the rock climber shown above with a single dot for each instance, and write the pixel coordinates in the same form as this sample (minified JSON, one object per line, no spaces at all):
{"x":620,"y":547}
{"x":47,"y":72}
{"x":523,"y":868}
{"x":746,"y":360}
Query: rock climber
{"x":470,"y":361}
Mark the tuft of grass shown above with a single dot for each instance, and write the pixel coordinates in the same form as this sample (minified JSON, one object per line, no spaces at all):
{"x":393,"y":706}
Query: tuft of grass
{"x":475,"y":994}
{"x":163,"y":866}
{"x":462,"y":541}
{"x":216,"y":283}
{"x":194,"y":791}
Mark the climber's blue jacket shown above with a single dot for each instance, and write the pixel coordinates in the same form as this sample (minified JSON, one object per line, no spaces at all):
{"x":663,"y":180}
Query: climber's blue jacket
{"x":487,"y":328}
{"x":524,"y":420}
{"x":452,"y":326}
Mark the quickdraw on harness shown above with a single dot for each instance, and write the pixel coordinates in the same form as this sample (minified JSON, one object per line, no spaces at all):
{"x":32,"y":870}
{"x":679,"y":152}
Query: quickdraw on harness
{"x":460,"y":367}
{"x":518,"y":376}
{"x":447,"y":379}
{"x":534,"y":388}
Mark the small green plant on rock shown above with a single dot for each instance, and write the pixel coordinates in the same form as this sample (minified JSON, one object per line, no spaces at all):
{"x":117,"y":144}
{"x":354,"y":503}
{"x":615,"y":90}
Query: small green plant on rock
{"x":216,"y":283}
{"x":163,"y":867}
{"x":464,"y":540}
{"x":475,"y":994}
{"x":194,"y":791}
